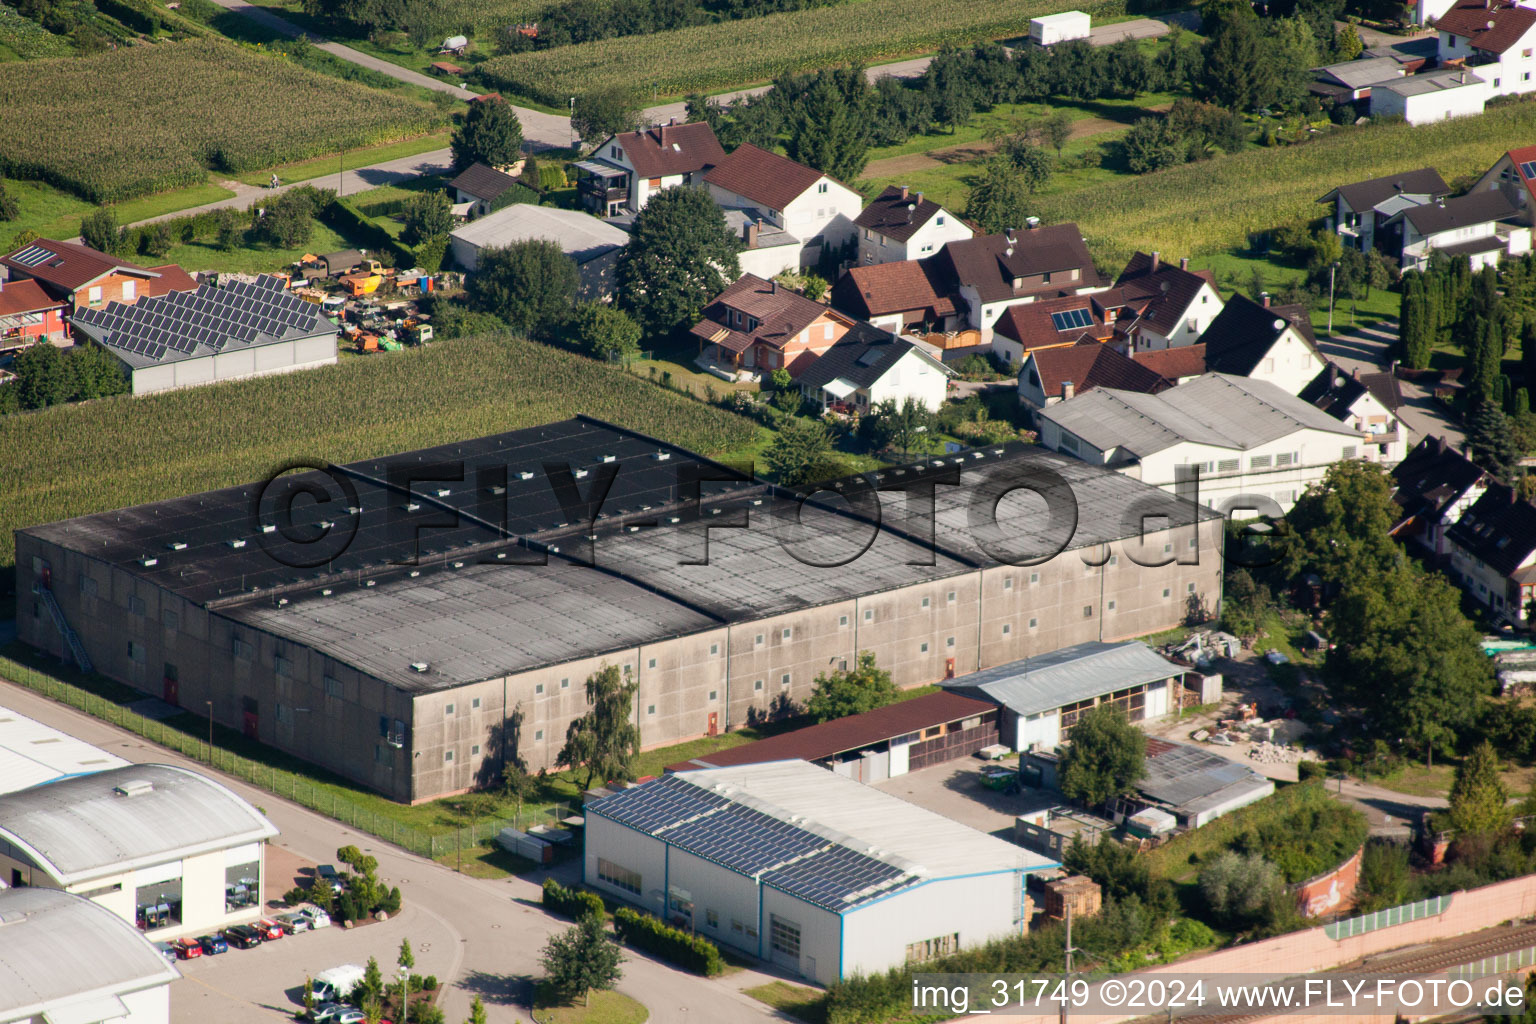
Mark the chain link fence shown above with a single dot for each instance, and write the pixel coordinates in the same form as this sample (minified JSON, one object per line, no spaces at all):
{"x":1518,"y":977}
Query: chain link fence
{"x":289,"y":785}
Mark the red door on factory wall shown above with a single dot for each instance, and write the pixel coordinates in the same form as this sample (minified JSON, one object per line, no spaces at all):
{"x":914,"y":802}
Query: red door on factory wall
{"x":171,"y":686}
{"x":714,"y":723}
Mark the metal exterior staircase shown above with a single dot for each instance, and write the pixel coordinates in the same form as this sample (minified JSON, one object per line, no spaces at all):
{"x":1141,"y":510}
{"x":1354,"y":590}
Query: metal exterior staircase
{"x":71,"y":639}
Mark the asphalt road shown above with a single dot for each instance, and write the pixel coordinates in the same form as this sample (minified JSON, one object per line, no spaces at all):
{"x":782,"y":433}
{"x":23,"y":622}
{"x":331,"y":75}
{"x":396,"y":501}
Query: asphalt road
{"x":480,"y":937}
{"x":1366,"y":349}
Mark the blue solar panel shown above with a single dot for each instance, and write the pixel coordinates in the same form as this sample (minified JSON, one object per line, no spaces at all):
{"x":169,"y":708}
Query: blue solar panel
{"x":1528,"y":168}
{"x":1070,"y":319}
{"x":830,"y":877}
{"x":657,"y":804}
{"x":744,"y":840}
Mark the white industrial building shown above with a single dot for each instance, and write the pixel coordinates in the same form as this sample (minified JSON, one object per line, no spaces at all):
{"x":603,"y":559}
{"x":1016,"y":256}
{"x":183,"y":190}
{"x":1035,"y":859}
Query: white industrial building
{"x":163,"y":848}
{"x":812,"y":871}
{"x":1041,"y":698}
{"x":32,"y":753}
{"x":1059,"y":28}
{"x":593,"y":245}
{"x":65,"y":960}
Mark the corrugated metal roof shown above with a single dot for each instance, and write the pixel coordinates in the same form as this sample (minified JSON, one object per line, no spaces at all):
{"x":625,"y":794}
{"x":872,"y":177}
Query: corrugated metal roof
{"x":81,"y":828}
{"x":32,"y":753}
{"x":59,"y":951}
{"x":581,"y":235}
{"x":1068,"y":675}
{"x":1193,"y":781}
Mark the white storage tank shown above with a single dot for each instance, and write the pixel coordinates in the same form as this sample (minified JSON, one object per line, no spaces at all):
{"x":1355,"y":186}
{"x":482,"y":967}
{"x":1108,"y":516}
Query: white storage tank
{"x":1058,"y":28}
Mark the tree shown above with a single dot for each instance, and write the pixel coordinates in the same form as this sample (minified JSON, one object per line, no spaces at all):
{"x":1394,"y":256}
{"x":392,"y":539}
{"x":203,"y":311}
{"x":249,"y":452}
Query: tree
{"x":1348,"y":43}
{"x":489,"y":133}
{"x":99,"y":230}
{"x":372,"y":984}
{"x":373,"y":1011}
{"x":1479,"y":800}
{"x":530,"y":285}
{"x":605,"y":740}
{"x":1056,"y":130}
{"x":851,"y":691}
{"x":476,"y":1012}
{"x":229,"y":232}
{"x":604,"y":332}
{"x":1415,"y":326}
{"x":26,"y":236}
{"x":1492,"y":439}
{"x":1105,"y":757}
{"x":1340,"y":528}
{"x":1237,"y":887}
{"x":827,"y":131}
{"x":1243,"y":603}
{"x":517,"y":785}
{"x":605,"y":112}
{"x":680,"y":256}
{"x":1292,"y":54}
{"x":1000,"y":198}
{"x":800,"y":452}
{"x":92,"y":373}
{"x":1151,"y":144}
{"x":42,"y":377}
{"x":1234,"y":71}
{"x":581,"y":959}
{"x":1386,"y":880}
{"x":287,"y":221}
{"x":406,"y":961}
{"x":1033,"y":164}
{"x":1486,"y":356}
{"x":427,"y":215}
{"x":309,"y":994}
{"x":10,"y":209}
{"x":913,"y":427}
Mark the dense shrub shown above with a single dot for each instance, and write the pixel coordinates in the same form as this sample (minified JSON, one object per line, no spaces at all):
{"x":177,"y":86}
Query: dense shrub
{"x":643,"y":931}
{"x":573,"y":903}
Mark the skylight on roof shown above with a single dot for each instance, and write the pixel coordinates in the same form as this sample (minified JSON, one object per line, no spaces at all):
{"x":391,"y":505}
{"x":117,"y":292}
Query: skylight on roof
{"x":1528,"y":169}
{"x":1071,"y":319}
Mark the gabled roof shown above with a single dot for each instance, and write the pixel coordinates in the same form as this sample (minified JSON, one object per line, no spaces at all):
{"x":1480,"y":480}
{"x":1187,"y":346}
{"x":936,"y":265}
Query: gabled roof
{"x":1363,"y":72}
{"x":121,"y":819}
{"x":25,"y":296}
{"x":1459,"y":212}
{"x":990,"y":263}
{"x":1498,"y":530}
{"x":670,"y":149}
{"x":1169,"y":287}
{"x":580,"y":235}
{"x":1174,"y":363}
{"x":66,"y":265}
{"x":1047,"y":323}
{"x":900,"y":287}
{"x":1523,"y":162}
{"x":1489,"y":25}
{"x":897,"y":213}
{"x":861,"y":357}
{"x":1385,"y":388}
{"x":1433,"y":476}
{"x":1067,"y":675}
{"x":1333,"y":391}
{"x":1089,"y":365}
{"x":172,"y":279}
{"x":766,"y":178}
{"x":1366,"y":195}
{"x":781,"y":314}
{"x":483,"y":181}
{"x":1244,"y":331}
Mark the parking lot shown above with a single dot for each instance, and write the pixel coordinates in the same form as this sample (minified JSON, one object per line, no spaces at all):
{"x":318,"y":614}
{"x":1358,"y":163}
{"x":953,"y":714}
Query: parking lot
{"x":955,"y":790}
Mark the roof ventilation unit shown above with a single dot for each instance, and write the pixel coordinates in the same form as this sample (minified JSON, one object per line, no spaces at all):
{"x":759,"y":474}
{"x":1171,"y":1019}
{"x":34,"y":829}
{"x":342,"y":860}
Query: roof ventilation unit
{"x":237,"y":543}
{"x":177,"y":545}
{"x":662,"y":456}
{"x":134,"y":787}
{"x":149,"y":562}
{"x":419,"y":666}
{"x":525,"y":475}
{"x":608,"y":458}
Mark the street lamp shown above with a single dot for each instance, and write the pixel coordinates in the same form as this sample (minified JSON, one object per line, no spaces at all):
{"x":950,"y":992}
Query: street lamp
{"x":1332,"y":269}
{"x":403,"y":973}
{"x":573,"y":122}
{"x":210,"y":730}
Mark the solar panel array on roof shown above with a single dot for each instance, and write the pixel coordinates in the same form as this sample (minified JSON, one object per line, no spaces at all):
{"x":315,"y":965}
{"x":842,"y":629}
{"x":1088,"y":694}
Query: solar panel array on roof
{"x":659,"y":804}
{"x":835,"y":878}
{"x":1070,"y":319}
{"x":32,"y":256}
{"x":1528,"y":168}
{"x":742,"y":839}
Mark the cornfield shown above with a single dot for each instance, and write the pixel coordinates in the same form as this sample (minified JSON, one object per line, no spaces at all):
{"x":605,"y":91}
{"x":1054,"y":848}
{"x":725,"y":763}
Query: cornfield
{"x":183,"y":442}
{"x":705,"y":58}
{"x":27,"y":39}
{"x":1209,"y":207}
{"x":145,"y":119}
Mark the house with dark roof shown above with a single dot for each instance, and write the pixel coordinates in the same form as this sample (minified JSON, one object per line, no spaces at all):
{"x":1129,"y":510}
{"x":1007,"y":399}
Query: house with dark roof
{"x":1176,"y":364}
{"x":1265,"y":342}
{"x":1492,"y":38}
{"x":1368,"y":402}
{"x":1057,"y":322}
{"x":1359,"y":207}
{"x":1514,"y":175}
{"x":1493,"y":553}
{"x":868,"y":366}
{"x":82,"y":277}
{"x":900,"y":224}
{"x":1172,"y":305}
{"x":993,"y":272}
{"x":759,"y":326}
{"x":1051,"y":375}
{"x":29,"y":315}
{"x":480,"y":185}
{"x":1480,"y":226}
{"x":802,"y":201}
{"x":627,"y":169}
{"x":910,"y":294}
{"x":1435,"y":484}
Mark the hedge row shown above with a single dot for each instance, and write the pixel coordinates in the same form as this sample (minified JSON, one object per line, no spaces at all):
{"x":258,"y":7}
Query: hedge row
{"x":685,"y":949}
{"x":573,"y":903}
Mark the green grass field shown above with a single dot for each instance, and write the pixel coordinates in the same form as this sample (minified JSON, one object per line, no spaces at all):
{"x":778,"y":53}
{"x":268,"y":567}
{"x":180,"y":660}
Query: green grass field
{"x":321,"y":166}
{"x":54,"y":213}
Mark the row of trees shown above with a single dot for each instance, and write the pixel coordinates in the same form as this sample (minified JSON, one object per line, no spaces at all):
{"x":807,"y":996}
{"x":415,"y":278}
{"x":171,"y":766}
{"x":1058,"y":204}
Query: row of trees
{"x":48,"y":375}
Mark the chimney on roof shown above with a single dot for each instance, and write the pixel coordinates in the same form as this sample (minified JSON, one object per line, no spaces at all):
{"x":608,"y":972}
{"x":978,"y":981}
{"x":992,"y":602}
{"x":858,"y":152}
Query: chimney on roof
{"x":673,"y":121}
{"x":1157,"y":261}
{"x":903,"y":192}
{"x":773,"y":286}
{"x":1068,"y":391}
{"x":919,"y":197}
{"x":749,"y":234}
{"x":1183,"y":262}
{"x":1264,"y":298}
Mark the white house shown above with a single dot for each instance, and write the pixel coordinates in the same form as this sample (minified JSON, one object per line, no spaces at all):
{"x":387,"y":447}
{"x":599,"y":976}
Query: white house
{"x":627,"y":169}
{"x":1513,"y":174}
{"x":868,"y":366}
{"x":1494,"y":39}
{"x":165,"y":849}
{"x":1170,"y":306}
{"x":794,"y":198}
{"x":1366,"y":402}
{"x":1359,"y":207}
{"x":992,"y":272}
{"x":592,"y":245}
{"x":767,"y":250}
{"x":1493,"y":552}
{"x":1250,"y":443}
{"x":1481,"y":226}
{"x":1264,"y":342}
{"x":67,"y":960}
{"x":811,"y":871}
{"x":1059,"y":28}
{"x":1435,"y":485}
{"x":1435,"y":96}
{"x":899,"y":224}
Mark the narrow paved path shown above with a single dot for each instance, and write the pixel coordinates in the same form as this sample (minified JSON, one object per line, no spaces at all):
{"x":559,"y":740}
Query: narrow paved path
{"x":1366,"y":349}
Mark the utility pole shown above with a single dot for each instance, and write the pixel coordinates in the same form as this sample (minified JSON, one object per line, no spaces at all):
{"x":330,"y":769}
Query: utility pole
{"x":1332,"y":269}
{"x":1067,"y":977}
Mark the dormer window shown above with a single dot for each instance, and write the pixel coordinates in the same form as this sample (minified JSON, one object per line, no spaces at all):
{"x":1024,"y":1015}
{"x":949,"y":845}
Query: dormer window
{"x":751,"y":323}
{"x":1045,"y":278}
{"x":1018,"y":283}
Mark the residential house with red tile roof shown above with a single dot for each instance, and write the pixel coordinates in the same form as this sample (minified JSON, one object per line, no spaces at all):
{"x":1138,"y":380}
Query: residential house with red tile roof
{"x":993,"y":272}
{"x":1051,"y":375}
{"x":1513,"y":175}
{"x":815,"y":209}
{"x":82,"y":277}
{"x":1493,"y":553}
{"x":1177,"y":364}
{"x":1170,"y":306}
{"x":1057,"y":322}
{"x":1495,"y":39}
{"x":868,"y":366}
{"x":29,"y":315}
{"x":757,"y":324}
{"x":898,"y":296}
{"x":627,"y":169}
{"x":900,"y":224}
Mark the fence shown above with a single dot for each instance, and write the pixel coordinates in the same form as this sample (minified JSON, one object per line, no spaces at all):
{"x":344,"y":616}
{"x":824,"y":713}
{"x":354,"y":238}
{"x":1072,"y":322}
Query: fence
{"x":292,"y":786}
{"x":1388,"y":917}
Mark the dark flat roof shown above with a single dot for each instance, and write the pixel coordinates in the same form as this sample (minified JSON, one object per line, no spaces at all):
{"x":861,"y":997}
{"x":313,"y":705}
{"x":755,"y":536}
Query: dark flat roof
{"x":854,"y":732}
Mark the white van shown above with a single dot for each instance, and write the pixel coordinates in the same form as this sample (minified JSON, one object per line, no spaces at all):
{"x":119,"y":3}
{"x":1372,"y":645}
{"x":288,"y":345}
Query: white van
{"x":335,"y":984}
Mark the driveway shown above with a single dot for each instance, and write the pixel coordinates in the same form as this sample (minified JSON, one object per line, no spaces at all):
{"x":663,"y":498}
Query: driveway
{"x":1365,"y":349}
{"x":480,"y":937}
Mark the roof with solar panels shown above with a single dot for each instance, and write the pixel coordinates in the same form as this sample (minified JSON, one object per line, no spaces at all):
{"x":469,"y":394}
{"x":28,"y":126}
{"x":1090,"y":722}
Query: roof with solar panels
{"x":201,"y":323}
{"x":808,"y":832}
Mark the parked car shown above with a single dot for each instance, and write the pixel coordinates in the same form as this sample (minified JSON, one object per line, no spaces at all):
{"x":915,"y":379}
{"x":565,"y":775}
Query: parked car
{"x":317,"y":918}
{"x":187,"y":949}
{"x":242,"y":936}
{"x":292,"y":924}
{"x":269,"y":929}
{"x":213,"y":945}
{"x":167,"y":950}
{"x":324,"y":1012}
{"x":328,"y":872}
